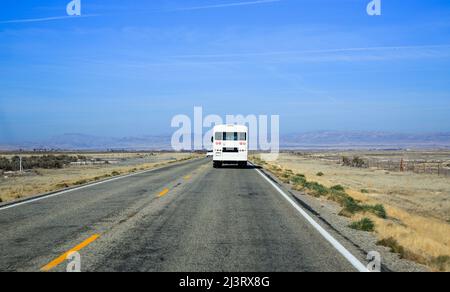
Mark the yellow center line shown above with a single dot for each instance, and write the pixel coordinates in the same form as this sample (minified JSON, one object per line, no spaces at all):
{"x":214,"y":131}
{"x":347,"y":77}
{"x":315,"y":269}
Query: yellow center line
{"x":163,"y":193}
{"x":63,"y":257}
{"x":166,"y":190}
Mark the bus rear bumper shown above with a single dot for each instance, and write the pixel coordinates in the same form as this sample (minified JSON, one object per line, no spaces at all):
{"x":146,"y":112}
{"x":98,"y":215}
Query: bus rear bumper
{"x":240,"y":163}
{"x":230,"y":158}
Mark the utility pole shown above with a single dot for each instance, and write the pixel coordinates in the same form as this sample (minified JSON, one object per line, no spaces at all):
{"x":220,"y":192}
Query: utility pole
{"x":20,"y":164}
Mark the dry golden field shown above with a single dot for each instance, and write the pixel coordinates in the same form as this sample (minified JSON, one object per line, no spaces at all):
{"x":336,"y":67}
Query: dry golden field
{"x":47,"y":180}
{"x":418,"y":205}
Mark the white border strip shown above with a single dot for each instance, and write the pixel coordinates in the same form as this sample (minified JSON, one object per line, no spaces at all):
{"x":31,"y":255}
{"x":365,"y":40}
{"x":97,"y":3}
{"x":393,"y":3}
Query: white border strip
{"x":44,"y":197}
{"x":339,"y":247}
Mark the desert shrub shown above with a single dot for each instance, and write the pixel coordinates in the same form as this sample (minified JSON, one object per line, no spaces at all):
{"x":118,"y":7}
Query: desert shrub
{"x":317,"y":189}
{"x":346,"y":161}
{"x":364,"y":191}
{"x":298,"y":179}
{"x":62,"y":185}
{"x":393,"y":245}
{"x":354,"y":162}
{"x":81,"y":182}
{"x":320,"y":173}
{"x":32,"y":162}
{"x":5,"y":164}
{"x":358,"y":162}
{"x":351,"y":207}
{"x":338,"y":197}
{"x":286,"y":175}
{"x":277,"y":169}
{"x":364,"y":224}
{"x":286,"y":179}
{"x":115,"y":173}
{"x":378,"y":210}
{"x":441,"y":263}
{"x":338,"y":188}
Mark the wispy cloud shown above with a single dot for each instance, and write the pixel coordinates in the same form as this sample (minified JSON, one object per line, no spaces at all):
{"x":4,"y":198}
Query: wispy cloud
{"x":324,"y":51}
{"x":245,"y":3}
{"x":234,"y":4}
{"x":44,"y":19}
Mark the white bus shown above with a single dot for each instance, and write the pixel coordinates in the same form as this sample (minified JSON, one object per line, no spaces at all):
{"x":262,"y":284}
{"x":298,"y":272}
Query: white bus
{"x":230,"y":145}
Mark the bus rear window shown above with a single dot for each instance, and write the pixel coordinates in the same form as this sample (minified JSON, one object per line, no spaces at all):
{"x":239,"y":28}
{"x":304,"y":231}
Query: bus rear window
{"x":242,"y":136}
{"x":230,"y":136}
{"x":218,"y":136}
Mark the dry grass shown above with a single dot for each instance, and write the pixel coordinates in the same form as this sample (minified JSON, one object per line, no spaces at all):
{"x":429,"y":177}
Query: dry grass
{"x":418,"y":205}
{"x":48,"y":180}
{"x":422,"y":194}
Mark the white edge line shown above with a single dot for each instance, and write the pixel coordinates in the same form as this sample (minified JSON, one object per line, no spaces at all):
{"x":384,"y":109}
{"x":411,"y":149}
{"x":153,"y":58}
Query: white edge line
{"x":339,"y":247}
{"x":44,"y":197}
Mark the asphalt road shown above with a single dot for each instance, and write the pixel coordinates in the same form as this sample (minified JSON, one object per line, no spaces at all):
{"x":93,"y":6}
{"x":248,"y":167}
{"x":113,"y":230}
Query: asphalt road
{"x":186,"y":217}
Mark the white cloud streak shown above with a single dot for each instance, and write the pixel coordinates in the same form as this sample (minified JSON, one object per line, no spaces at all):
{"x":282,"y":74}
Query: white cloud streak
{"x":245,"y":3}
{"x":44,"y":19}
{"x":324,"y":51}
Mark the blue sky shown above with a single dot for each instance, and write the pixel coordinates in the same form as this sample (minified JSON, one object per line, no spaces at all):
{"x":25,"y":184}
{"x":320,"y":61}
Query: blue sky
{"x":127,"y":67}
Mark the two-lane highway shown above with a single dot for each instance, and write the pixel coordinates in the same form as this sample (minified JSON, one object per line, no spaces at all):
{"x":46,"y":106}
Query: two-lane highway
{"x":186,"y":217}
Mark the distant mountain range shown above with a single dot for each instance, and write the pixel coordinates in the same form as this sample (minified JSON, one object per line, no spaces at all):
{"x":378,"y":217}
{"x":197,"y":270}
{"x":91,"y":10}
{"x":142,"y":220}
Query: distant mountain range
{"x":89,"y":142}
{"x":365,"y":140}
{"x":310,"y":140}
